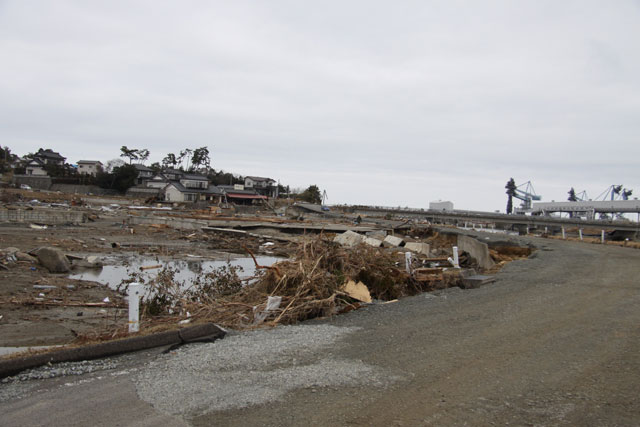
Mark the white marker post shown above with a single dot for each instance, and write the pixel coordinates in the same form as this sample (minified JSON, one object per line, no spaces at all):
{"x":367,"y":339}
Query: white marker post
{"x":563,"y":235}
{"x":407,"y":261}
{"x":456,"y":260}
{"x":580,"y":233}
{"x":135,"y":292}
{"x":602,"y":236}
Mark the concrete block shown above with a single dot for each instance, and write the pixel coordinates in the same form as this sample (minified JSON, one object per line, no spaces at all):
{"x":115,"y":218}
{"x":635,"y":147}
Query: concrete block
{"x":394,"y":240}
{"x":477,"y":250}
{"x":418,"y":247}
{"x":373,"y":242}
{"x":349,"y":238}
{"x":377,"y":234}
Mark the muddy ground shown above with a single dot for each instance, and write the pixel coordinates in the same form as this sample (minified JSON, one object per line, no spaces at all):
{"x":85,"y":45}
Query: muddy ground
{"x":554,"y":341}
{"x":33,"y":316}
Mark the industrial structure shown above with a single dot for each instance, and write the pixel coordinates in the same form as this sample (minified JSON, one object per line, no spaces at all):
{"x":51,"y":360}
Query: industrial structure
{"x":523,"y":192}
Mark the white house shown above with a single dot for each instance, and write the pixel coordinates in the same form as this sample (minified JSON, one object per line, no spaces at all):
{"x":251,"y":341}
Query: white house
{"x":176,"y":192}
{"x":264,"y":186}
{"x":35,"y":167}
{"x":89,"y":167}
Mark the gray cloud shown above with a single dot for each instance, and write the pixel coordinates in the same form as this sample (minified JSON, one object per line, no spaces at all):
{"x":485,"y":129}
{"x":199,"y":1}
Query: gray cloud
{"x":376,"y":102}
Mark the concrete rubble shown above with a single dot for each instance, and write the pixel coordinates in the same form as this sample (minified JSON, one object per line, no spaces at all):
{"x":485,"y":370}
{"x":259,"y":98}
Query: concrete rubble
{"x":477,"y":250}
{"x":53,"y":259}
{"x":394,"y":241}
{"x":418,"y":247}
{"x":372,"y":242}
{"x":349,"y":239}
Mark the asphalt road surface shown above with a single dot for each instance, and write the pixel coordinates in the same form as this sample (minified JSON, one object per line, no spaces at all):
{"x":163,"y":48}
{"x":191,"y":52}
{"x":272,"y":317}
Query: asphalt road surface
{"x":554,"y":341}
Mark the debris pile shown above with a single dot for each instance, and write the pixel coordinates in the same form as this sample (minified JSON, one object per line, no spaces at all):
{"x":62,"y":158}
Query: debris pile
{"x":322,"y":279}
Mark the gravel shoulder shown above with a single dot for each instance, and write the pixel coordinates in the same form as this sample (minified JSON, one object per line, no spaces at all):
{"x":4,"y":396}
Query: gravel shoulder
{"x":554,"y":341}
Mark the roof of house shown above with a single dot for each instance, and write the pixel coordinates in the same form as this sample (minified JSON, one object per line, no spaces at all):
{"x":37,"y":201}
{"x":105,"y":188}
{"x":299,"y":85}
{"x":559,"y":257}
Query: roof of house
{"x":90,"y":162}
{"x":260,"y":178}
{"x":231,"y":192}
{"x":140,"y":167}
{"x":230,"y":189}
{"x":49,"y":154}
{"x":312,"y":207}
{"x":36,"y":160}
{"x":212,"y":189}
{"x":195,"y":177}
{"x":173,"y":171}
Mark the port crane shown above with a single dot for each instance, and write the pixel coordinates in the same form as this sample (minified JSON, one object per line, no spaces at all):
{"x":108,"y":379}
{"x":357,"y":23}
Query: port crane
{"x":615,"y":192}
{"x":524,"y":192}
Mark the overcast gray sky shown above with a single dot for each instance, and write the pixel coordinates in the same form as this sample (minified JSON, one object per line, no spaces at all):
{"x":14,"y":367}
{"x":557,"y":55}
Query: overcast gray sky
{"x":393,"y":103}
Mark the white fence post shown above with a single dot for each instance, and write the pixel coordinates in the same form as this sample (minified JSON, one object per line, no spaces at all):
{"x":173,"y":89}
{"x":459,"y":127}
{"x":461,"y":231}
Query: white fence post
{"x":135,"y":292}
{"x":407,"y":261}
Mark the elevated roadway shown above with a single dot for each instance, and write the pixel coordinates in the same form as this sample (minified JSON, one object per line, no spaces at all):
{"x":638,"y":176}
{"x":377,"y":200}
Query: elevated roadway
{"x":521,"y":223}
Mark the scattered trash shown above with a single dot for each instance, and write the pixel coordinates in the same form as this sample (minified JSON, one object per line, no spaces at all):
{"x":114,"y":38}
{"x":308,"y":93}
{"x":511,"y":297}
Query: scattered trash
{"x":150,"y":267}
{"x":38,"y":227}
{"x":273,"y":303}
{"x":106,"y":299}
{"x":357,"y":291}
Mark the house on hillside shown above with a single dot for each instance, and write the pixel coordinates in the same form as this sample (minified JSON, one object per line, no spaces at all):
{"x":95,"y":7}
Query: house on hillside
{"x":89,"y":167}
{"x":177,"y":186}
{"x":35,"y":167}
{"x":144,"y":173}
{"x":175,"y":191}
{"x":241,"y":195}
{"x":263,"y":186}
{"x":194,"y":181}
{"x":49,"y":157}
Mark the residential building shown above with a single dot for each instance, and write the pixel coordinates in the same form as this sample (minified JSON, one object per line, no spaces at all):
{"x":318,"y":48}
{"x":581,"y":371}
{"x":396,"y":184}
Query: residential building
{"x":144,"y":173}
{"x":262,"y":185}
{"x":239,"y":194}
{"x":35,"y":167}
{"x":49,"y":157}
{"x":194,"y":181}
{"x":175,"y":191}
{"x":89,"y":167}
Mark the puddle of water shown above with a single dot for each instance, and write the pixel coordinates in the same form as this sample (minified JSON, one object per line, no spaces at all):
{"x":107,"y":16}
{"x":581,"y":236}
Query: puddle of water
{"x":186,"y":270}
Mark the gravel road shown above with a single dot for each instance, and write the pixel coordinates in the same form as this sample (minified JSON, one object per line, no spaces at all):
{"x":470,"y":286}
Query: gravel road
{"x":554,"y":341}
